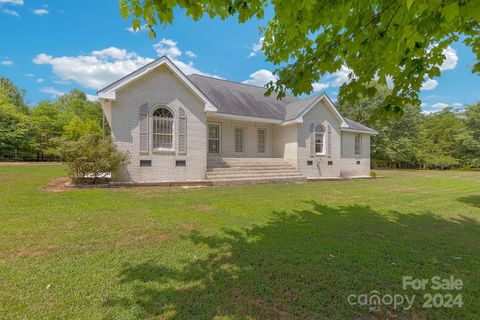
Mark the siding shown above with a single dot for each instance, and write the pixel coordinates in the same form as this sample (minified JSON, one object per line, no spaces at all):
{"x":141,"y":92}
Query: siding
{"x":159,"y":87}
{"x":285,"y":143}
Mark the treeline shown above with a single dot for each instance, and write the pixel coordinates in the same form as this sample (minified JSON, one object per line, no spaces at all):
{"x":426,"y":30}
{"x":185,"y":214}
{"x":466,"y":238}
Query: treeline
{"x":445,"y":139}
{"x":32,"y":134}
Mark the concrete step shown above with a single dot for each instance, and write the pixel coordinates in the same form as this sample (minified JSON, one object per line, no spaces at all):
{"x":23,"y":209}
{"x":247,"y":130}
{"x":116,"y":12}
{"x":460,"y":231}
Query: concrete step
{"x":254,"y":175}
{"x":262,"y":180}
{"x":251,"y":168}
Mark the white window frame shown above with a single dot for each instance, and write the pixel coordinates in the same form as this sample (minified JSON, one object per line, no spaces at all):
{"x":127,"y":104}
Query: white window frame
{"x":158,"y":149}
{"x":244,"y":142}
{"x":266,"y":140}
{"x":359,"y":153}
{"x":323,"y":139}
{"x":219,"y":138}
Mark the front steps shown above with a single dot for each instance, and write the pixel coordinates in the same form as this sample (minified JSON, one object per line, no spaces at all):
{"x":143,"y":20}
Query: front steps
{"x":222,"y":171}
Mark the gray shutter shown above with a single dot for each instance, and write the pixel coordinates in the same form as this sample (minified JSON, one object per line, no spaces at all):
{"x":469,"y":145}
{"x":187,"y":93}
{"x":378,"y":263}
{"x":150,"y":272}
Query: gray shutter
{"x":312,"y":140}
{"x":143,"y":128}
{"x":182,"y":132}
{"x":329,"y":141}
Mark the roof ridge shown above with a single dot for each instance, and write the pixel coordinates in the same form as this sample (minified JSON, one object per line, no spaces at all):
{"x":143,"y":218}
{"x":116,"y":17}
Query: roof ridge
{"x":235,"y":82}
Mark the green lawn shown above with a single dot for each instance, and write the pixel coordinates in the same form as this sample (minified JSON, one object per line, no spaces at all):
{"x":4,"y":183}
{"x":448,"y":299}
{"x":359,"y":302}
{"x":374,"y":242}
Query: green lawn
{"x":240,"y":252}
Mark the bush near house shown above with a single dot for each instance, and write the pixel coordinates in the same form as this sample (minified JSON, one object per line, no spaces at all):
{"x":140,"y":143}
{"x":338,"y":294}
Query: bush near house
{"x":90,"y":157}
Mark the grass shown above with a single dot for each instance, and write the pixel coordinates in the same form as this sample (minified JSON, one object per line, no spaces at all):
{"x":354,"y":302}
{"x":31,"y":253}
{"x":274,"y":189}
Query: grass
{"x":240,"y":252}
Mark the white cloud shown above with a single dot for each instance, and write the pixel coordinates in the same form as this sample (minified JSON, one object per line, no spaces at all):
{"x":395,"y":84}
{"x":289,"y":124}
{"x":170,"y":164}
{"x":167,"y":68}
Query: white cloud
{"x":260,"y":78}
{"x":101,"y":67}
{"x":40,"y":80}
{"x":6,"y":62}
{"x":167,"y":47}
{"x":95,"y":70}
{"x":341,"y":76}
{"x":439,"y":106}
{"x":14,"y":2}
{"x":256,"y":48}
{"x":451,"y":59}
{"x":190,"y":54}
{"x":12,"y":13}
{"x":142,"y":28}
{"x":40,"y":12}
{"x":29,"y":75}
{"x":429,"y":84}
{"x":317,"y":86}
{"x":53,"y":92}
{"x":458,"y":104}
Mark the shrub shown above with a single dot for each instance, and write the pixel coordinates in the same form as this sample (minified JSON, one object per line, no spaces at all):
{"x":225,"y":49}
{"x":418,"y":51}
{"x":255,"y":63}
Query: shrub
{"x":373,"y":174}
{"x":90,"y":157}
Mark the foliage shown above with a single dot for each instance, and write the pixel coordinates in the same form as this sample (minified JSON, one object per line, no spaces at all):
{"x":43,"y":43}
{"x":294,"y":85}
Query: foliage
{"x":90,"y":157}
{"x":401,"y":40}
{"x":32,"y":134}
{"x":239,"y":252}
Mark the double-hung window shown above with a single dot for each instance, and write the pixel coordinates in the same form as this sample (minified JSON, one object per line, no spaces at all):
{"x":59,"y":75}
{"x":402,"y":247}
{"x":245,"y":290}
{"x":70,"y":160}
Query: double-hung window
{"x":214,"y":138}
{"x":319,"y":140}
{"x":358,"y":144}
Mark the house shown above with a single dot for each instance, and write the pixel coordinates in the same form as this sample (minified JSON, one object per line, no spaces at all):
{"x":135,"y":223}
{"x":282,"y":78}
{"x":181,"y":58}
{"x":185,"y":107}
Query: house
{"x":180,"y":128}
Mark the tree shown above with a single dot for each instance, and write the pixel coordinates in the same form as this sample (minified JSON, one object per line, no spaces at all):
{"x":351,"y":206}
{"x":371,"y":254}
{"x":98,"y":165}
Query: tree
{"x":46,"y":119}
{"x":396,"y":144}
{"x":77,"y":128}
{"x":13,"y":95}
{"x":398,"y":40}
{"x":15,"y":129}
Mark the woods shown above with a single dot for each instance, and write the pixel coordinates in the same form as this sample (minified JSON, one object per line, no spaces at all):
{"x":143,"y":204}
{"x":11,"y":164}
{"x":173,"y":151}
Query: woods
{"x":31,"y":133}
{"x":445,"y":139}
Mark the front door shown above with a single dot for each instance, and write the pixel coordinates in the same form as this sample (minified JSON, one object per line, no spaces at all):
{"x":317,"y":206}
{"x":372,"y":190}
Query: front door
{"x":214,"y":138}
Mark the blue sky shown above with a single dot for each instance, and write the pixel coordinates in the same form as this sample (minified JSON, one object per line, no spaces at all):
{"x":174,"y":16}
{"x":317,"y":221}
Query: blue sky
{"x":50,"y":47}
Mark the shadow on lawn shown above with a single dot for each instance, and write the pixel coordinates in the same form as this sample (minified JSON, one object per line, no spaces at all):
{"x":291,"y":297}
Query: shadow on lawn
{"x":303,"y":265}
{"x":471,"y":200}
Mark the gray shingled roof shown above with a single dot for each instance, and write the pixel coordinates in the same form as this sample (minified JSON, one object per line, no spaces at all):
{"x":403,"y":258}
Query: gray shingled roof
{"x":241,"y":99}
{"x":357,"y":126}
{"x":248,"y":100}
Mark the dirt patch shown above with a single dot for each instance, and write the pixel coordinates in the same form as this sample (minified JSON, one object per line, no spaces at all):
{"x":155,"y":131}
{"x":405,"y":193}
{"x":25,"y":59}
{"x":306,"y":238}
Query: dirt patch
{"x":58,"y":184}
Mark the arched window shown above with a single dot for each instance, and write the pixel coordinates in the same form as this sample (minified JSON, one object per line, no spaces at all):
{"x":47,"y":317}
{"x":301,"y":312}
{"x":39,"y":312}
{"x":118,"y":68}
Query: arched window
{"x":319,"y":136}
{"x":162,"y":129}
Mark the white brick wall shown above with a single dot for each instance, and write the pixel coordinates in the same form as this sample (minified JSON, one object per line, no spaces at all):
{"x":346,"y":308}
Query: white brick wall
{"x":160,"y":87}
{"x":285,"y":143}
{"x":349,"y":159}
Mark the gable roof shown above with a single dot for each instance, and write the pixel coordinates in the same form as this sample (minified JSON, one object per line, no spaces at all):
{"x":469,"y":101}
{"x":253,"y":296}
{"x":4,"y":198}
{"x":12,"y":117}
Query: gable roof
{"x":238,"y":99}
{"x":109,"y":92}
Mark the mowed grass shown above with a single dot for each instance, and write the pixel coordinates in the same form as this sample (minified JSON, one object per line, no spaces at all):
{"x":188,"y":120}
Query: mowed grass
{"x":239,"y":252}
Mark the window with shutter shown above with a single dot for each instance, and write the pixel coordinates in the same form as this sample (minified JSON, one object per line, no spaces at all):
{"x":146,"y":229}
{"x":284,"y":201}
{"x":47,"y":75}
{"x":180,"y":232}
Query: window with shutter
{"x":182,"y":131}
{"x":312,"y":140}
{"x":162,"y":131}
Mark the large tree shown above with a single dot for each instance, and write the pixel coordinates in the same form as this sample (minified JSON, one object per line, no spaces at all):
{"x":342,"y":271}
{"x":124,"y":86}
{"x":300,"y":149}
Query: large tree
{"x":396,"y":41}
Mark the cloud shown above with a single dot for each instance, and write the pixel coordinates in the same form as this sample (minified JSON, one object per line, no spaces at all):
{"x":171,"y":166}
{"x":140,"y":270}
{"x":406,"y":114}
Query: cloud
{"x":167,"y":47}
{"x":95,"y":70}
{"x":40,"y":12}
{"x":439,"y":106}
{"x":40,"y":80}
{"x":14,"y":2}
{"x":142,"y":28}
{"x":101,"y":67}
{"x":451,"y":59}
{"x":317,"y":86}
{"x":260,"y":78}
{"x":190,"y":54}
{"x":429,"y":84}
{"x":458,"y":104}
{"x":341,"y":76}
{"x":12,"y":13}
{"x":256,"y":48}
{"x":6,"y":62}
{"x":29,"y":75}
{"x":53,"y":92}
